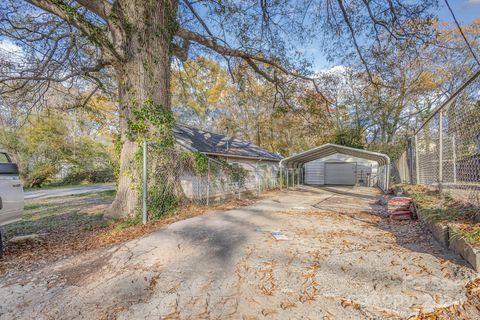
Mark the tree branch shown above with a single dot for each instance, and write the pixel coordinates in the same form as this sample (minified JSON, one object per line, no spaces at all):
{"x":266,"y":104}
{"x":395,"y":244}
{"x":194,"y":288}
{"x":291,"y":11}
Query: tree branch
{"x":249,"y":58}
{"x":68,"y":13}
{"x":82,"y":72}
{"x":354,"y":38}
{"x":101,"y":8}
{"x":181,"y":51}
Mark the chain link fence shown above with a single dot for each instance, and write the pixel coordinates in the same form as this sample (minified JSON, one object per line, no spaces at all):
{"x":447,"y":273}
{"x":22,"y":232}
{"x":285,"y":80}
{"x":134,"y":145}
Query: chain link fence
{"x":291,"y":177}
{"x":218,"y":180}
{"x":237,"y":180}
{"x":444,"y":154}
{"x":205,"y":180}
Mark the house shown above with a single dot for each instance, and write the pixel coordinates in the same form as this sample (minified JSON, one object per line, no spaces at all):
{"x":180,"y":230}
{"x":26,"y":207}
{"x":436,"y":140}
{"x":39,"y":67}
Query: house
{"x":261,"y":166}
{"x":332,"y":164}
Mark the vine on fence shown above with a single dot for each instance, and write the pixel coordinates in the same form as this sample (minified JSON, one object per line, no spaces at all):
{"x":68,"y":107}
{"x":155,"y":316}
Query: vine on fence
{"x":154,"y":123}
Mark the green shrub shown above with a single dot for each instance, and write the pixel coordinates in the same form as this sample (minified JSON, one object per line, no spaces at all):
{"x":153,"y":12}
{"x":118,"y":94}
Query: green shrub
{"x":40,"y":174}
{"x":101,"y":175}
{"x":161,"y":201}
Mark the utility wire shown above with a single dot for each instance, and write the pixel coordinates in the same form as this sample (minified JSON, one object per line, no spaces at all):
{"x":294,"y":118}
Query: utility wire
{"x":461,"y":31}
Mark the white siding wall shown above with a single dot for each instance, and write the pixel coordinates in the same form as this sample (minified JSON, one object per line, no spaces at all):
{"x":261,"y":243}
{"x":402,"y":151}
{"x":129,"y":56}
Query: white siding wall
{"x":315,"y":170}
{"x":195,"y":186}
{"x":266,"y":169}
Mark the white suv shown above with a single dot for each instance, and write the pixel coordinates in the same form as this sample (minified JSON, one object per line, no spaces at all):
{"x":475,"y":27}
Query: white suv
{"x":11,"y":192}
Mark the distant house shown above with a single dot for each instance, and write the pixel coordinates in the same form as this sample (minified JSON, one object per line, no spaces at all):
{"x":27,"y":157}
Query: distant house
{"x":260,"y":164}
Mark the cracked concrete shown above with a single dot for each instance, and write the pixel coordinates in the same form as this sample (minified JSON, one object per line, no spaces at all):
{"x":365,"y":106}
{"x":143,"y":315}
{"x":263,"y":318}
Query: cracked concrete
{"x":342,"y":260}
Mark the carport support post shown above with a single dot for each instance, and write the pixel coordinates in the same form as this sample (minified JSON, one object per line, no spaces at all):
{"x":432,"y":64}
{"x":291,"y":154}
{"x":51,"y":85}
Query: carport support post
{"x":288,"y":173}
{"x":281,"y":177}
{"x":294,"y":176}
{"x":145,"y":185}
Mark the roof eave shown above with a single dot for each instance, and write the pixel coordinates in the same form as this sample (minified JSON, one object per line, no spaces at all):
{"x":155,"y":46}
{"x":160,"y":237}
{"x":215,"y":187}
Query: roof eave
{"x":239,"y":156}
{"x":329,"y":149}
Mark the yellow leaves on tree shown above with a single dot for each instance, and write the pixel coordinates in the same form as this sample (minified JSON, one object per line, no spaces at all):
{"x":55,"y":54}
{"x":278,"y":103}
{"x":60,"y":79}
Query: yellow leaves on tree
{"x":198,"y":85}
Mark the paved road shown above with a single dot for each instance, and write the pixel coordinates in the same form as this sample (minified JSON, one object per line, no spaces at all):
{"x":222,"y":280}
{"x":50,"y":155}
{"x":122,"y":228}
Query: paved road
{"x":67,"y":191}
{"x":341,"y":261}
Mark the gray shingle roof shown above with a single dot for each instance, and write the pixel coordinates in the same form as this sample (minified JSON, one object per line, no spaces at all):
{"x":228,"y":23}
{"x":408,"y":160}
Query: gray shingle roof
{"x":214,"y":143}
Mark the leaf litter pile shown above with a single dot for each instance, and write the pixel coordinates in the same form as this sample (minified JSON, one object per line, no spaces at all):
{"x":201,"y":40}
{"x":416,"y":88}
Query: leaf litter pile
{"x":358,"y":265}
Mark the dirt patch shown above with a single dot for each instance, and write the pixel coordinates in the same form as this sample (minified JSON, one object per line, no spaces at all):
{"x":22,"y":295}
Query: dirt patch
{"x":66,"y":226}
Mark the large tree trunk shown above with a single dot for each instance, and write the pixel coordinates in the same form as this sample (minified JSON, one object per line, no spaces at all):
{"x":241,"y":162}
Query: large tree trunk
{"x":145,"y":76}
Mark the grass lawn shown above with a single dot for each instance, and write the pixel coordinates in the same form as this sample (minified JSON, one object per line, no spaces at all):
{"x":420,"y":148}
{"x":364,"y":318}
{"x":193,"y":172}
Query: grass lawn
{"x":56,"y":215}
{"x":74,"y":224}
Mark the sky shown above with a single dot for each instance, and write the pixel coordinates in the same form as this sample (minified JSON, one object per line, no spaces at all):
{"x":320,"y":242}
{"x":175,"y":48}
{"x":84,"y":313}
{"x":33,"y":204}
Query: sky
{"x":466,"y":11}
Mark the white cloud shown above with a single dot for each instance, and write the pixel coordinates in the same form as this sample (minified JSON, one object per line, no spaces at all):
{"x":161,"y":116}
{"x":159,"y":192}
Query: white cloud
{"x":9,"y":47}
{"x":340,"y":69}
{"x":472,"y":2}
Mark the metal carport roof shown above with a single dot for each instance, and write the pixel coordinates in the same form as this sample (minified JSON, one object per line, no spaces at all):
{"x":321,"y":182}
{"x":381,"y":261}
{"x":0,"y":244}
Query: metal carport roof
{"x":326,"y":150}
{"x":298,"y":160}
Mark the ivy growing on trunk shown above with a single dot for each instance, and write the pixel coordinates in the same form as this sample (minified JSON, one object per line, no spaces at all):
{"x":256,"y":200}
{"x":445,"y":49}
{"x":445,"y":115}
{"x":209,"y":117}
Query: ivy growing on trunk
{"x":153,"y":124}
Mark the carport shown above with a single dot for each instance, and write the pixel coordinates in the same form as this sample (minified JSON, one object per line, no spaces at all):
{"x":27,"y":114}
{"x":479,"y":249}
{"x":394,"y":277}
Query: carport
{"x":332,"y":164}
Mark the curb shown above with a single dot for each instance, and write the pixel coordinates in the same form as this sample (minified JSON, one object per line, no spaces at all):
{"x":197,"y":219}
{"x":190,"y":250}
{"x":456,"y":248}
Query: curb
{"x":444,"y":234}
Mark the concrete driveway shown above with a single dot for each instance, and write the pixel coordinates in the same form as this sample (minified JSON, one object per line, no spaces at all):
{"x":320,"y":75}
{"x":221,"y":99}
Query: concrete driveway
{"x":341,"y":261}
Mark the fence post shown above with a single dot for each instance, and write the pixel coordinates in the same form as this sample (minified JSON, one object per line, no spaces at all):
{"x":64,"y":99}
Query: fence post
{"x":258,"y":180}
{"x":417,"y":161}
{"x":454,"y":151}
{"x":288,"y":173}
{"x":440,"y":150}
{"x":208,"y":182}
{"x":281,"y":177}
{"x":145,"y":184}
{"x":410,"y":158}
